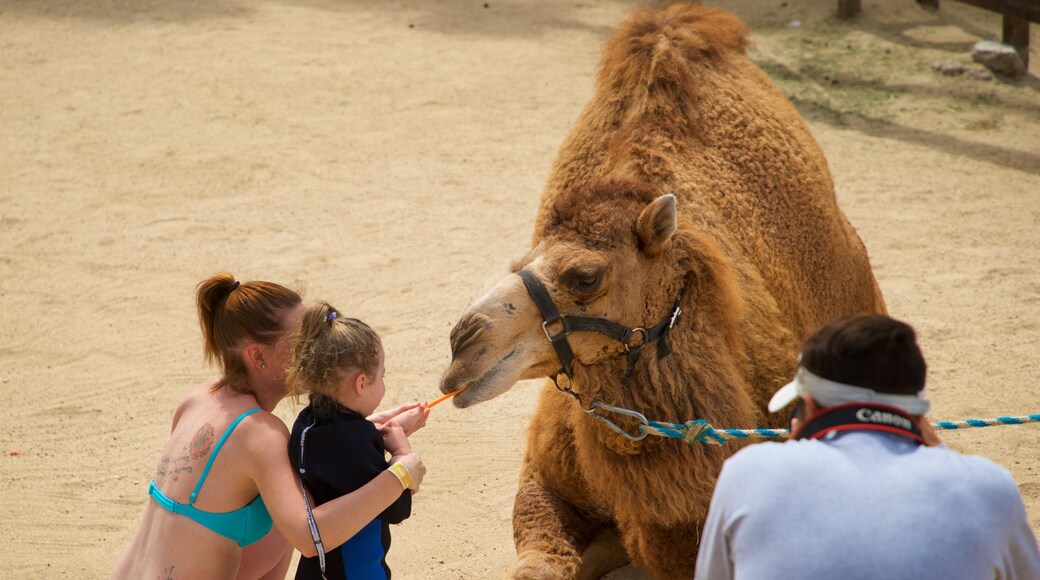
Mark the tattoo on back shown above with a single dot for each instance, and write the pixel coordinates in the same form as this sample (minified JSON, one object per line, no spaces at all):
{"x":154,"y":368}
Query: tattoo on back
{"x":174,"y":466}
{"x":166,"y":575}
{"x":202,"y":442}
{"x":200,"y":446}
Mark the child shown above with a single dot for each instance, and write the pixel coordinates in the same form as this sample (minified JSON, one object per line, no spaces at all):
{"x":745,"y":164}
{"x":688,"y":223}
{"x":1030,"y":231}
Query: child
{"x":338,"y":362}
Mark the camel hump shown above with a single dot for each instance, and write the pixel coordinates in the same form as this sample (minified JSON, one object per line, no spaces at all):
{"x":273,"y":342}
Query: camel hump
{"x":658,"y":44}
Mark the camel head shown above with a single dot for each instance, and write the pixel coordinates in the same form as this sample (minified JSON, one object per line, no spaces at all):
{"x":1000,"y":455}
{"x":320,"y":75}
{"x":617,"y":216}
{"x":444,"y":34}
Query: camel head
{"x":603,"y":251}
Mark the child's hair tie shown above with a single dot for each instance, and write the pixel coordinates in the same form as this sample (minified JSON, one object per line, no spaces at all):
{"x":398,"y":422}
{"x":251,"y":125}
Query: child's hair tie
{"x":332,"y":316}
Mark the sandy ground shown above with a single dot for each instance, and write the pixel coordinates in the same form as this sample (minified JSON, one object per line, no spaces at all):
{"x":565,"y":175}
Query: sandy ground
{"x":388,"y":156}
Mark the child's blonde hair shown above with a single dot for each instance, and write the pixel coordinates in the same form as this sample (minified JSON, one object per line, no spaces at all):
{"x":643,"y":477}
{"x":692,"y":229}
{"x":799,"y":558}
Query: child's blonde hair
{"x":327,"y":346}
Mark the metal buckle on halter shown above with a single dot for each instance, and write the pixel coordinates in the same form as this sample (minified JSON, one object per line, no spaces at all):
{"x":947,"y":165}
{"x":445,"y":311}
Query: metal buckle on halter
{"x":641,"y":331}
{"x":675,"y":316}
{"x":554,"y":337}
{"x":592,"y":410}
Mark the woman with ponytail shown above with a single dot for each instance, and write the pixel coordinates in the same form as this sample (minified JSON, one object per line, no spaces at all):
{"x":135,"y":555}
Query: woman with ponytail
{"x":224,"y":501}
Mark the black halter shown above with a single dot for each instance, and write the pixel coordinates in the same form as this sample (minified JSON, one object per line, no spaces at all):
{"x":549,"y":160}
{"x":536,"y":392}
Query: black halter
{"x":634,"y":339}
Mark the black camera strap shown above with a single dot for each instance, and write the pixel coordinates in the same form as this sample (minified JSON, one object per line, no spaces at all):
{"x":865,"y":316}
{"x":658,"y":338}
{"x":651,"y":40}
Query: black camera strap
{"x":861,"y":417}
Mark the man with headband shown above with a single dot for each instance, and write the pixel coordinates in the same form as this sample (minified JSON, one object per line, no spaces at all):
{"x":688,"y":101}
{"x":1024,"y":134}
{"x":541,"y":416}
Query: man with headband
{"x":863,"y":489}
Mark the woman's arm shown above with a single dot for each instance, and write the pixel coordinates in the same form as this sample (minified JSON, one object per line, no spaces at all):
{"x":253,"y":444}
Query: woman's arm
{"x":337,"y":520}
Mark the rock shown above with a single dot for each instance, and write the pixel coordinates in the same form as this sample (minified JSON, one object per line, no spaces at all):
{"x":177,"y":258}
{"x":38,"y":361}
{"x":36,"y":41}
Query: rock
{"x":949,"y":68}
{"x":980,"y":74}
{"x":998,"y":57}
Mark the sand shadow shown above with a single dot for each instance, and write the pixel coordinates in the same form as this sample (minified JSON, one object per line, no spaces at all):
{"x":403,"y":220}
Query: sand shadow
{"x":1010,"y":158}
{"x":896,"y":34}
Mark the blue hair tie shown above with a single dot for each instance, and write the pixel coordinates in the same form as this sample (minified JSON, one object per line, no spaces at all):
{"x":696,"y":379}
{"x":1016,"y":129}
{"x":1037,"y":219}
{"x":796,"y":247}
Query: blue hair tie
{"x":332,"y":316}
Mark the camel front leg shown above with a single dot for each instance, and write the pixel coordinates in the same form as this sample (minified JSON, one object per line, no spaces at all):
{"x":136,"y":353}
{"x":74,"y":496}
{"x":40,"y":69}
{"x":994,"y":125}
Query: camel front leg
{"x":555,"y":515}
{"x":604,"y":554}
{"x":663,"y":552}
{"x":550,"y":533}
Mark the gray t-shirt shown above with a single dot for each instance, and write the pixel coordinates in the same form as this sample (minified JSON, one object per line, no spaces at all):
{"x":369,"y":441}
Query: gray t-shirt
{"x":864,"y":505}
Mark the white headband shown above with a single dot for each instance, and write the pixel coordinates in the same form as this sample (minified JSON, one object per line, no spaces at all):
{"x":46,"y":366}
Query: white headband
{"x":829,"y":393}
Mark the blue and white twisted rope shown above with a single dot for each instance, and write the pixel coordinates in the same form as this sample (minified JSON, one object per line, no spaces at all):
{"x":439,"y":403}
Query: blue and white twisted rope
{"x":988,"y":422}
{"x":701,"y":432}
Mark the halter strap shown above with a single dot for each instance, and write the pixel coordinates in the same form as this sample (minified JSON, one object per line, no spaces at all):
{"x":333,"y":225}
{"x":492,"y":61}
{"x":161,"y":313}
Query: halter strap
{"x":550,"y":315}
{"x":212,"y":456}
{"x":609,"y":328}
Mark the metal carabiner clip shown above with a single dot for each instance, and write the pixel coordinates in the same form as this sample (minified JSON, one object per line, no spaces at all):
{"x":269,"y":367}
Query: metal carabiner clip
{"x":642,"y":419}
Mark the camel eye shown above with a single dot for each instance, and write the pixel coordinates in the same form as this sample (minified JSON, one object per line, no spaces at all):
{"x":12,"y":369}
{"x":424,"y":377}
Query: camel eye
{"x":582,"y":281}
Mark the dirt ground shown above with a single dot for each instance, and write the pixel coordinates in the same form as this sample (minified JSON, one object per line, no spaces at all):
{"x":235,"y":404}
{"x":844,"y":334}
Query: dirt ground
{"x":388,"y":156}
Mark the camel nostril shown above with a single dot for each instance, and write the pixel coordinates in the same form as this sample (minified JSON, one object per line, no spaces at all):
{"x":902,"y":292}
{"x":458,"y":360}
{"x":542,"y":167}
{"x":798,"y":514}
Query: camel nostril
{"x":466,"y":332}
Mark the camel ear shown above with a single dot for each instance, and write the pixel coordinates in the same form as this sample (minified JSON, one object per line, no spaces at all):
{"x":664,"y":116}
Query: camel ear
{"x":656,"y":224}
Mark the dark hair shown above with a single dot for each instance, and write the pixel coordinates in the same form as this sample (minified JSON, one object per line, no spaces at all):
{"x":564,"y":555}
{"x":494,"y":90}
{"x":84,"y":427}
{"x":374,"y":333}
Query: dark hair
{"x":325,"y":346}
{"x":231,"y":313}
{"x":867,"y":350}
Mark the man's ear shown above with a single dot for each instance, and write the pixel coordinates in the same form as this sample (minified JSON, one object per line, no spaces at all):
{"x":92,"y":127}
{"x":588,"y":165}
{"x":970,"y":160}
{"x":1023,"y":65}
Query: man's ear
{"x":811,"y":406}
{"x":808,"y":408}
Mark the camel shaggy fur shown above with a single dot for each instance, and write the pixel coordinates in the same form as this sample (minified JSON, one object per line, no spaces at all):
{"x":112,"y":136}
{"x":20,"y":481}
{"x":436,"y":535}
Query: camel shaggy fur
{"x":687,"y":171}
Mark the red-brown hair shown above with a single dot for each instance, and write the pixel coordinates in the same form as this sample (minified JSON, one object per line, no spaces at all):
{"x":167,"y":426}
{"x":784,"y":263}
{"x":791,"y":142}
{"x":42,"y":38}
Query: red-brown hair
{"x":231,"y":313}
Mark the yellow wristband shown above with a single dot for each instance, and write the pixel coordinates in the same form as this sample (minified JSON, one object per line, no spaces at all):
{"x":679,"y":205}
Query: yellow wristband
{"x":402,"y":473}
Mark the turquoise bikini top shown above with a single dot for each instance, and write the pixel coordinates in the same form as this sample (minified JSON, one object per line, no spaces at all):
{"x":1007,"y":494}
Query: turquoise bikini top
{"x":246,"y":525}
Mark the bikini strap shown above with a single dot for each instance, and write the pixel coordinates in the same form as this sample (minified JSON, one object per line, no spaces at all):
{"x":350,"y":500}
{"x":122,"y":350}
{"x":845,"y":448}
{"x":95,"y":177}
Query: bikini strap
{"x":205,"y":472}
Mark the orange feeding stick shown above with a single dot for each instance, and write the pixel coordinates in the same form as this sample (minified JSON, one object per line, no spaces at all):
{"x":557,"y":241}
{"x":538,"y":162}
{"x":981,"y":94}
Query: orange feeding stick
{"x":443,"y":398}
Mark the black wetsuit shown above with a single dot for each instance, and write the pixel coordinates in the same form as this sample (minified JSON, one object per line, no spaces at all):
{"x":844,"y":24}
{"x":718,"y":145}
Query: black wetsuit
{"x":344,"y":451}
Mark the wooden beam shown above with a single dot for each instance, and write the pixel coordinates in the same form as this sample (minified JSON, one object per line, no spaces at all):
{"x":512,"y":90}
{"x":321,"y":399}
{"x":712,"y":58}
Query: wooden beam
{"x":1024,"y":9}
{"x":848,"y":8}
{"x":1016,"y":33}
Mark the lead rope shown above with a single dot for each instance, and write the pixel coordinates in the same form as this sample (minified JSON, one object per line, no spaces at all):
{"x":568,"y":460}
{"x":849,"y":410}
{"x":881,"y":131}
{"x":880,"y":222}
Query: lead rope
{"x":700,"y":431}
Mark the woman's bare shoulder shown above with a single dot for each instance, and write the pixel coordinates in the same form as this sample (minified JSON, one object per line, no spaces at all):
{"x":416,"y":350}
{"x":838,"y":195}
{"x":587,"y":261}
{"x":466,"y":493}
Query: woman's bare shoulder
{"x":264,"y":443}
{"x":265,"y":429}
{"x":200,"y":395}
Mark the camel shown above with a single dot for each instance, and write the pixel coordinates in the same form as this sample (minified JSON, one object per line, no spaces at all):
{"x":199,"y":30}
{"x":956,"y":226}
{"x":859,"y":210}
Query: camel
{"x":690,"y":207}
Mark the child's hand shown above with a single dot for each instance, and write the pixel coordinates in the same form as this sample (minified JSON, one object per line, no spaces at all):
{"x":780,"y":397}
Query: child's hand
{"x":416,"y":469}
{"x":384,"y":416}
{"x":394,"y":439}
{"x":412,"y":419}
